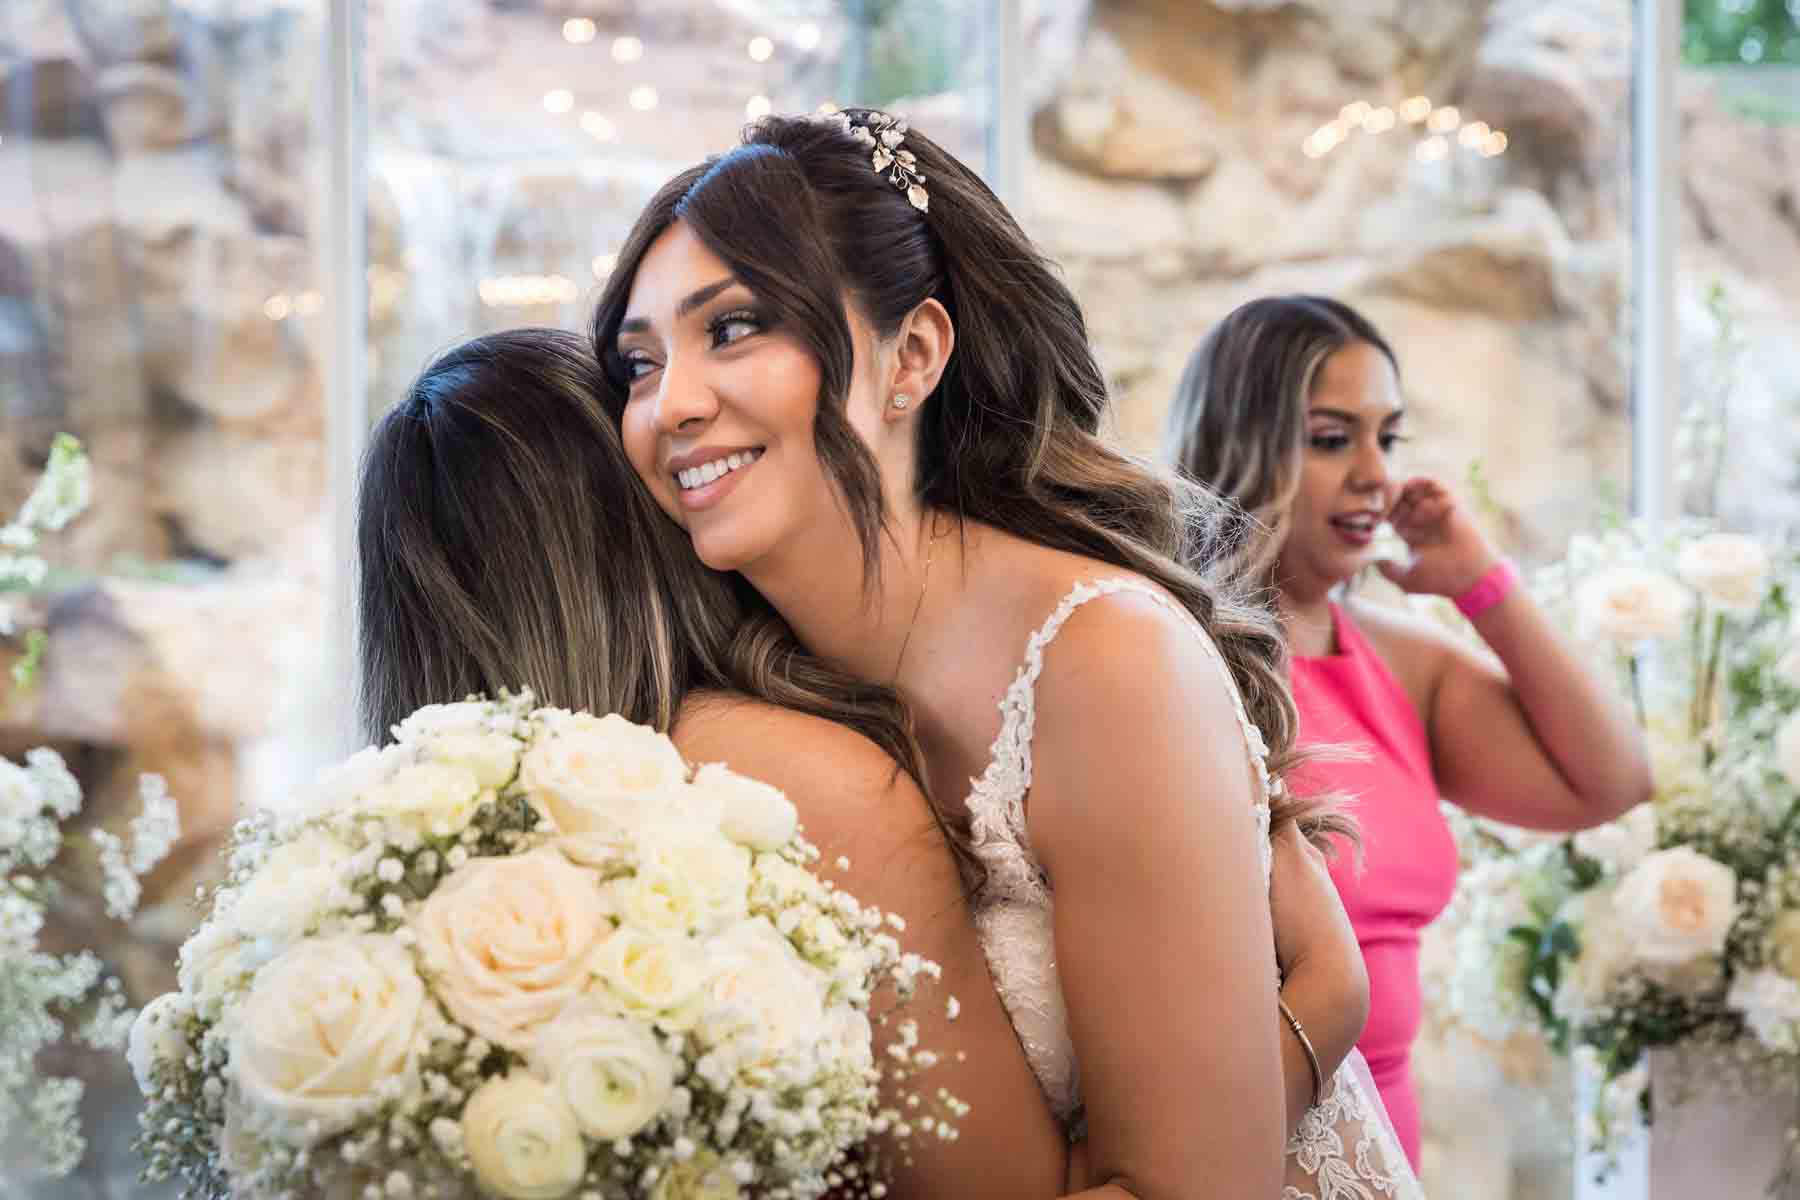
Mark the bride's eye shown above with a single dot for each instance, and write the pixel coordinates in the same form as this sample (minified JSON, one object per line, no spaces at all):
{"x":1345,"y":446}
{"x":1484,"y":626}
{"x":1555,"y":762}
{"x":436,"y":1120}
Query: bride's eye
{"x":734,"y":326}
{"x":632,"y":365}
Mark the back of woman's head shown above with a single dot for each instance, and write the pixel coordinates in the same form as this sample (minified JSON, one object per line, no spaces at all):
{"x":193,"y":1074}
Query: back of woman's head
{"x":1237,"y":422}
{"x":504,"y":541}
{"x":1011,"y":435}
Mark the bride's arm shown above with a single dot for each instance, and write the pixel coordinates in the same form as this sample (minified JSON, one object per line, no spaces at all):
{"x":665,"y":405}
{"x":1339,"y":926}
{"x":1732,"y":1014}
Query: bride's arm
{"x":1324,"y":980}
{"x":1141,"y":813}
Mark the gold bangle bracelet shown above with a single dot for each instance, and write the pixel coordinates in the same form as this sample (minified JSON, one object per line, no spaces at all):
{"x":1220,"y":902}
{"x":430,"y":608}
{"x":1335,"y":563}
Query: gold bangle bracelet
{"x":1312,"y":1059}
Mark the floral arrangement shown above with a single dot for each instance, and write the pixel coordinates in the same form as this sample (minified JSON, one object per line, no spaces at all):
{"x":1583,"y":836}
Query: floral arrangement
{"x":44,"y":992}
{"x":531,"y":953}
{"x":1679,"y":924}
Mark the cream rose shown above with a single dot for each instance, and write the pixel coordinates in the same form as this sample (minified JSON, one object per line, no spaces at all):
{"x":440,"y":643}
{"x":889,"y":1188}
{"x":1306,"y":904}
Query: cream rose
{"x":601,"y":774}
{"x":324,"y":1027}
{"x":1677,"y":906}
{"x":491,"y":757}
{"x":1626,"y":604}
{"x":522,"y":1139}
{"x":761,"y":988}
{"x":652,"y":977}
{"x":432,"y":797}
{"x":688,"y":880}
{"x":702,"y":1177}
{"x":287,"y":893}
{"x":611,"y":1071}
{"x":1727,"y":568}
{"x":1787,"y":749}
{"x":752,"y":814}
{"x":156,"y":1037}
{"x":510,"y":941}
{"x":1620,"y":845}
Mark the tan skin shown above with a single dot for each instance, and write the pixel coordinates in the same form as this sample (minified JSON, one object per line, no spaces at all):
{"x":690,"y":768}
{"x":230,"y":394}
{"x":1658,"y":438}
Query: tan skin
{"x":1526,"y":734}
{"x":1131,"y":803}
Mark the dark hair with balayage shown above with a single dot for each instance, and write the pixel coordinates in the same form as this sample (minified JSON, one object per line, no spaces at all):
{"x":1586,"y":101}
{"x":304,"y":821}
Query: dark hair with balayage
{"x":504,"y":541}
{"x":1011,"y":435}
{"x":1238,"y":420}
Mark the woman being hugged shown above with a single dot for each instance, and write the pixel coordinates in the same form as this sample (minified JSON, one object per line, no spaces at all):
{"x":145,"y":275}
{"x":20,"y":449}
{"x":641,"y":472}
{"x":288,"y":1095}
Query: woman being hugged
{"x":504,"y":540}
{"x":1291,"y":406}
{"x":841,"y":367}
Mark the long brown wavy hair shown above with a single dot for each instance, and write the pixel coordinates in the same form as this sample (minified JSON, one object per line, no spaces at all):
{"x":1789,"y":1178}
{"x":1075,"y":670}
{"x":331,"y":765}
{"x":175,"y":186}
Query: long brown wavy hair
{"x":1237,"y":422}
{"x":1012,"y":436}
{"x":505,"y":541}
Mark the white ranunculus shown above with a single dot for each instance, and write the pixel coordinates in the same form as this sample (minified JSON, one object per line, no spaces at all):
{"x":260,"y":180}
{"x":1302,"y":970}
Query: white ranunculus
{"x":753,"y":813}
{"x":1676,"y":906}
{"x":1620,"y":845}
{"x":1727,"y":568}
{"x":324,"y":1028}
{"x":652,"y":977}
{"x":688,"y":880}
{"x":523,"y":1140}
{"x":613,"y":1073}
{"x":288,"y":892}
{"x":1627,"y":604}
{"x":431,"y":797}
{"x":156,"y":1037}
{"x":702,"y":1177}
{"x":1770,"y":1004}
{"x":763,"y":989}
{"x":601,"y":774}
{"x":1787,"y":749}
{"x":510,"y":941}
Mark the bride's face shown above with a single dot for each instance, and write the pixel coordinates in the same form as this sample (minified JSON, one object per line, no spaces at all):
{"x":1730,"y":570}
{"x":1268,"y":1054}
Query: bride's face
{"x":718,"y":419}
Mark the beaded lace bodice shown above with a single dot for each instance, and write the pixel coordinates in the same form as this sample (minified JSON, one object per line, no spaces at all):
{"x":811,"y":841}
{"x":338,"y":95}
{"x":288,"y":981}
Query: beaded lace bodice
{"x":1339,"y":1152}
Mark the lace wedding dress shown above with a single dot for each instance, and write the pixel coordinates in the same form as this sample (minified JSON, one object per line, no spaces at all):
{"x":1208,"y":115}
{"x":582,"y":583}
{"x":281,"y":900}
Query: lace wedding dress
{"x":1344,"y":1149}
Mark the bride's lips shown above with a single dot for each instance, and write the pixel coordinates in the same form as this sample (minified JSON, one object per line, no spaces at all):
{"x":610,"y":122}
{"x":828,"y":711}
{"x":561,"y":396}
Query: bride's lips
{"x":1356,"y":529}
{"x":706,"y":495}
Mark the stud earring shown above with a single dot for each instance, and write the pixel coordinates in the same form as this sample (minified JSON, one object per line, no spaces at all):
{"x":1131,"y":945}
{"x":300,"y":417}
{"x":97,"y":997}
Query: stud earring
{"x":901,"y":400}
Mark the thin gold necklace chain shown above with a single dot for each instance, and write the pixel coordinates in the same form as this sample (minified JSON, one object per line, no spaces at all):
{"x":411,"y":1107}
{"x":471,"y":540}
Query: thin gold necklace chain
{"x":919,"y":605}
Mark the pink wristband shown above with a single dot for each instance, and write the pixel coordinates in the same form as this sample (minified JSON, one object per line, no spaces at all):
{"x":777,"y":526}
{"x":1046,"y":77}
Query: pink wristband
{"x":1488,"y":591}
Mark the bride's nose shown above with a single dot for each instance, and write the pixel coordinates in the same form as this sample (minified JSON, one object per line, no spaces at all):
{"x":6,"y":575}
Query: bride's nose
{"x":685,"y":401}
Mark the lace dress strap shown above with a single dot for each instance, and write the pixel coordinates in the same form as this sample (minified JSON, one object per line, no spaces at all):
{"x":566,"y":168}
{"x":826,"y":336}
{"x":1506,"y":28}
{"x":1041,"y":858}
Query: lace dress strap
{"x":997,"y":799}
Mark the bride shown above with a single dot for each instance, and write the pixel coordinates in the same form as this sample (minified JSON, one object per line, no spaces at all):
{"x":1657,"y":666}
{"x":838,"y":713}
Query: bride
{"x":841,"y":367}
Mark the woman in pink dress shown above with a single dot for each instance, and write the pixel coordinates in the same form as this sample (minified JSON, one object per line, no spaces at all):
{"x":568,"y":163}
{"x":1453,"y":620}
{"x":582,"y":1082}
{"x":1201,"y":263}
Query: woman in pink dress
{"x":1292,"y":406}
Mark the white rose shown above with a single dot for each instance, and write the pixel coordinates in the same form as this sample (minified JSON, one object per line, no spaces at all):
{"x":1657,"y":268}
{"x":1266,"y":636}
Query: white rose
{"x":440,"y":720}
{"x":156,"y":1037}
{"x":338,"y":787}
{"x":1620,"y":845}
{"x":1676,"y":906}
{"x":1787,"y":749}
{"x":510,"y":941}
{"x":702,"y":1177}
{"x":490,"y":757}
{"x":1626,"y":604}
{"x":598,"y":775}
{"x":287,"y":893}
{"x":431,"y":797}
{"x":522,"y":1139}
{"x":1728,"y":568}
{"x":652,"y":977}
{"x":613,"y":1073}
{"x":753,"y":813}
{"x":763,"y":989}
{"x":688,"y":880}
{"x":326,"y":1033}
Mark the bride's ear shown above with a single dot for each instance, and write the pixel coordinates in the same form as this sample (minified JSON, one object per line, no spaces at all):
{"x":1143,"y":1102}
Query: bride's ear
{"x":921,"y":351}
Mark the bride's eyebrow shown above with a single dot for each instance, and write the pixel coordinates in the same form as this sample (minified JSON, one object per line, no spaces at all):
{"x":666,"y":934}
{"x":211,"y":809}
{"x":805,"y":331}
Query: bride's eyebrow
{"x":688,"y":304}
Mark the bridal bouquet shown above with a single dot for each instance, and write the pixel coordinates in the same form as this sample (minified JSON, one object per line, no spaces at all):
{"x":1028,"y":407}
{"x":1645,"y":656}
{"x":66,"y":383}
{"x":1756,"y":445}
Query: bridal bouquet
{"x":529,"y":953}
{"x":1679,"y":924}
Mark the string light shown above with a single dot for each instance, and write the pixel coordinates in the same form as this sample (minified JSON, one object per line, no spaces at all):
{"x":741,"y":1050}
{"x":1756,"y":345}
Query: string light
{"x":826,"y":108}
{"x":1415,"y":109}
{"x":761,"y":49}
{"x":627,"y":49}
{"x":1443,"y":120}
{"x":757,"y":107}
{"x":806,"y":36}
{"x":526,"y":291}
{"x":1439,"y":124}
{"x":308,"y":303}
{"x":1493,"y":145}
{"x":1473,"y":134}
{"x":600,"y":128}
{"x":1378,"y":120}
{"x":559,"y":100}
{"x":277,"y":307}
{"x":1353,"y":112}
{"x":579,"y":31}
{"x":643,"y":97}
{"x":1433,"y":149}
{"x":603,"y":265}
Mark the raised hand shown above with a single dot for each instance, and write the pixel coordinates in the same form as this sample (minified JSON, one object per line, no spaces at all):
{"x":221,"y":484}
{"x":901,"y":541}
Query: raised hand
{"x":1450,"y":553}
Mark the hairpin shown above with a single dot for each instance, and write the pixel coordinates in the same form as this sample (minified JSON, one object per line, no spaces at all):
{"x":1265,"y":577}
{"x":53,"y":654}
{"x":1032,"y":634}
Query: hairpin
{"x":883,"y":134}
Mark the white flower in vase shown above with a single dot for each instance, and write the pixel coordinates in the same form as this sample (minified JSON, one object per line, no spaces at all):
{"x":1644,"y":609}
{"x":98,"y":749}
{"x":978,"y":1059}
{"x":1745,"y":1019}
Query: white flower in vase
{"x":1676,"y":906}
{"x":1622,"y":844}
{"x":1770,"y":1004}
{"x":1629,"y":604}
{"x":1727,"y":568}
